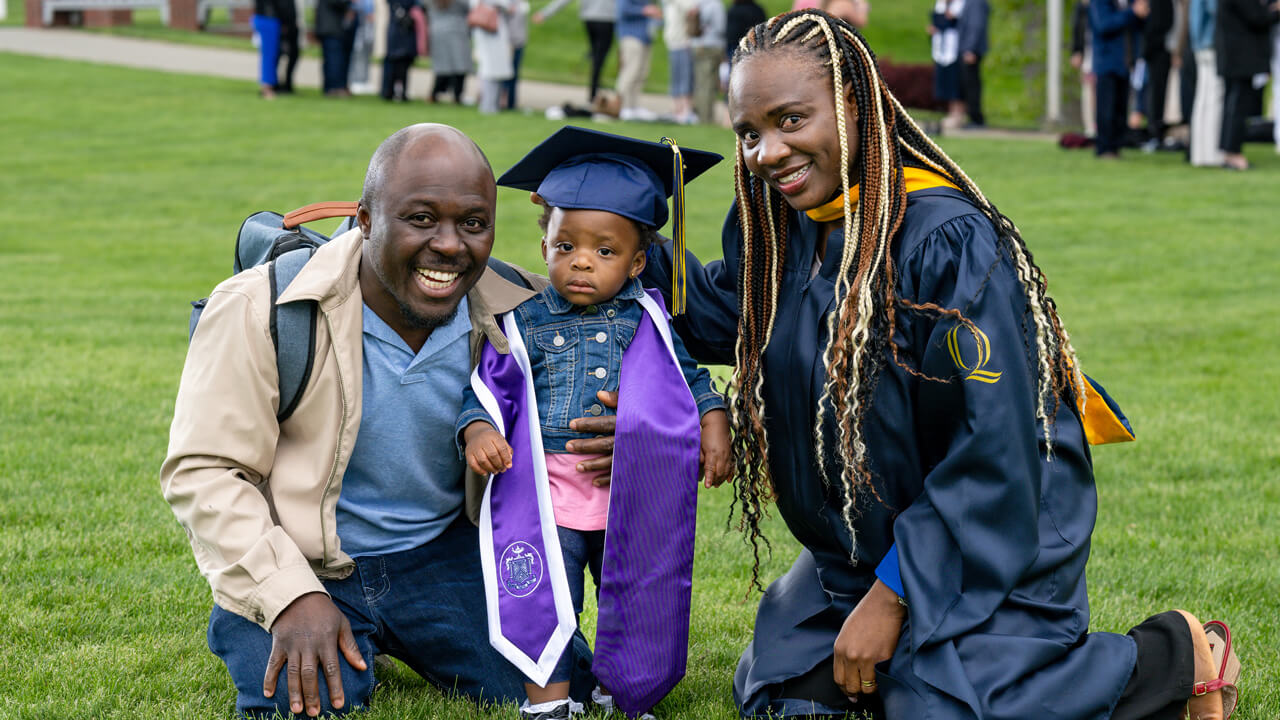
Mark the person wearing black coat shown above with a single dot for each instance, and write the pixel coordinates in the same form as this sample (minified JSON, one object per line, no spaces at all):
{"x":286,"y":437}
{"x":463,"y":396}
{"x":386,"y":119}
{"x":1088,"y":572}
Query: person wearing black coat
{"x":1244,"y":50}
{"x":402,"y":48}
{"x":336,"y":29}
{"x":288,"y":14}
{"x":742,"y":16}
{"x":1113,"y":26}
{"x":1155,"y":50}
{"x":973,"y":46}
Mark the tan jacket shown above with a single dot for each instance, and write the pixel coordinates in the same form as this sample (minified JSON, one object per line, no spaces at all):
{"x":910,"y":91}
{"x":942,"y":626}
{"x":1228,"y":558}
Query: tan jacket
{"x":256,"y":497}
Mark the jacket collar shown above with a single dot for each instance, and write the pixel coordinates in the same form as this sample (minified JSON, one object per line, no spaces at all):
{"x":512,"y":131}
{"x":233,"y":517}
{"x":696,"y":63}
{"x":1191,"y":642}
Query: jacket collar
{"x":491,"y":297}
{"x":332,"y":276}
{"x":558,"y":305}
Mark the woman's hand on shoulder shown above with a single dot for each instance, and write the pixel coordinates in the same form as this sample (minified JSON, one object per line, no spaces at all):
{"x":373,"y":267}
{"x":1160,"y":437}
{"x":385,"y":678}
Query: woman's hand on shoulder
{"x":869,"y":635}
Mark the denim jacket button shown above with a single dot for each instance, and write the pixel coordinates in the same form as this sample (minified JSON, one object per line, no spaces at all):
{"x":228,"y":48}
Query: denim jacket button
{"x":601,"y":337}
{"x":601,"y":372}
{"x":590,"y":309}
{"x":611,"y":312}
{"x":558,"y":340}
{"x":595,"y":409}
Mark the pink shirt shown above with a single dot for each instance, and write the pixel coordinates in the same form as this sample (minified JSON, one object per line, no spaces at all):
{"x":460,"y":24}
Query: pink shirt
{"x":578,"y":504}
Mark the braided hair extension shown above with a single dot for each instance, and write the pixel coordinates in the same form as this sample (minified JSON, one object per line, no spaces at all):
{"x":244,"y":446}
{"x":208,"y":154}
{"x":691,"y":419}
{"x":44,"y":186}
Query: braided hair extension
{"x":761,"y":278}
{"x":860,"y":330}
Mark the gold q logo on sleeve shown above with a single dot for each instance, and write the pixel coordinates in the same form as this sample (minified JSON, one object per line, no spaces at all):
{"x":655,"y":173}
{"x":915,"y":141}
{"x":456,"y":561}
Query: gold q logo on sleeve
{"x":978,"y":371}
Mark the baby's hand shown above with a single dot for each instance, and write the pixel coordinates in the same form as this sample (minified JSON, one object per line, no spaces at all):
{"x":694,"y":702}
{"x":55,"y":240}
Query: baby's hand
{"x":716,"y":458}
{"x":487,"y":451}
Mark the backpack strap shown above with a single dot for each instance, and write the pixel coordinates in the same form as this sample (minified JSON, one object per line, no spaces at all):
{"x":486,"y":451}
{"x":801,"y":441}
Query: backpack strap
{"x":293,"y":331}
{"x":293,"y":325}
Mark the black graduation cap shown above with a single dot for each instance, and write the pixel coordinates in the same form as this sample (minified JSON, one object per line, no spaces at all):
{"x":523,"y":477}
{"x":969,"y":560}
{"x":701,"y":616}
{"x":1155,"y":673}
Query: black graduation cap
{"x":581,"y":169}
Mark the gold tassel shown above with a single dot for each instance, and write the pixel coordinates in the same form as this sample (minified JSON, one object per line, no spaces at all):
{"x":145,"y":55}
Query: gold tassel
{"x":678,"y":269}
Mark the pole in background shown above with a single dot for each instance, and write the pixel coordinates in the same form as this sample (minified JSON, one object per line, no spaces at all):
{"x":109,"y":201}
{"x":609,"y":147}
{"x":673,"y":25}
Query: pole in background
{"x":1053,"y":45}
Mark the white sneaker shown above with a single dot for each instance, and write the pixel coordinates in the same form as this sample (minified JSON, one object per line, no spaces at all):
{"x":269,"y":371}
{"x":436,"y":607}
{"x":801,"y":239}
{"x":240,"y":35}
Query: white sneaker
{"x":604,"y":703}
{"x":551,"y":710}
{"x":638,"y":114}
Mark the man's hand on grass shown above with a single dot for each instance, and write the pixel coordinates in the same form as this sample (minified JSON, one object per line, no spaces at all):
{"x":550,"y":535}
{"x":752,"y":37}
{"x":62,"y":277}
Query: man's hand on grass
{"x":307,"y":638}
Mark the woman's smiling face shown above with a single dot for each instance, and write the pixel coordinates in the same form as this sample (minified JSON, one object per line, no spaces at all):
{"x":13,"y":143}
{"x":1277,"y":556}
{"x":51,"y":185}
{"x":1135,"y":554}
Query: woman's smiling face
{"x":782,"y":109}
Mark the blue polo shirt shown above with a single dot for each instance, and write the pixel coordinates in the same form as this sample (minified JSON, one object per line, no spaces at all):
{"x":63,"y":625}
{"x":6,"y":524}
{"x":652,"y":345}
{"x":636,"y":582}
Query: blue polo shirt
{"x":404,"y":482}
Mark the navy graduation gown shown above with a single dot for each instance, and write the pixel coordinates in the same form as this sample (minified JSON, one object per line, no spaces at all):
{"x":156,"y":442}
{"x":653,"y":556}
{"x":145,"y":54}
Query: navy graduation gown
{"x":992,"y":537}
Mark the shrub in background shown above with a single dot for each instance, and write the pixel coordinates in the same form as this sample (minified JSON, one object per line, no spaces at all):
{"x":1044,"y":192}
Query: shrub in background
{"x":912,"y":83}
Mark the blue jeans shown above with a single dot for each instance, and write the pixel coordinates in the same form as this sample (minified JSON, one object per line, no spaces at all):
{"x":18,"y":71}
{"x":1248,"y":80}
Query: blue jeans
{"x":582,"y":551}
{"x":336,"y":60}
{"x":423,"y":606}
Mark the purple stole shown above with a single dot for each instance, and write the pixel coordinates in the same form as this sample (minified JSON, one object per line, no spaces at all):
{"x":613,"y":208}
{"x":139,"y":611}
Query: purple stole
{"x":642,"y":633}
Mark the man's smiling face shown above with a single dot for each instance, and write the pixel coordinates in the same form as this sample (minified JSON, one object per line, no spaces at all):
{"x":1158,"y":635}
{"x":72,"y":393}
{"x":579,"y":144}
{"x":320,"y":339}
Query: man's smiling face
{"x":428,"y":231}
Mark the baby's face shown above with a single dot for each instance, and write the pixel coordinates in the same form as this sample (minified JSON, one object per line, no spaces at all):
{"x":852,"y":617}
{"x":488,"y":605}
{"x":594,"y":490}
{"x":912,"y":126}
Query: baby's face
{"x":591,"y":254}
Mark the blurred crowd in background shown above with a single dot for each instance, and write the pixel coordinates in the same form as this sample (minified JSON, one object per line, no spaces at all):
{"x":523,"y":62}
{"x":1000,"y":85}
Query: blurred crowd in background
{"x":486,"y":39}
{"x":1177,"y":75}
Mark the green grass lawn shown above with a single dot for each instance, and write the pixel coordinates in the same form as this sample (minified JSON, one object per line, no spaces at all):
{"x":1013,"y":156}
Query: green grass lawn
{"x":123,"y":190}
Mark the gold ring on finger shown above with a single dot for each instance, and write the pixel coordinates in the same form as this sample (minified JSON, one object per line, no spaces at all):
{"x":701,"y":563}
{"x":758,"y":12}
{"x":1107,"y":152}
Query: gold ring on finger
{"x":868,"y":683}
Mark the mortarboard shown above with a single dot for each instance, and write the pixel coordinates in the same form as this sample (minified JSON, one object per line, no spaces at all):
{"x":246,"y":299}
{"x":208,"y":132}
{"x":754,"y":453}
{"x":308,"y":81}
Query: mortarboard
{"x":581,"y":169}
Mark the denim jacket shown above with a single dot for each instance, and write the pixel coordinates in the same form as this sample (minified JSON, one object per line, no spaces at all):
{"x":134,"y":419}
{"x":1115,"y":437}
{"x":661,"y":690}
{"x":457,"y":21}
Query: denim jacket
{"x":574,"y":352}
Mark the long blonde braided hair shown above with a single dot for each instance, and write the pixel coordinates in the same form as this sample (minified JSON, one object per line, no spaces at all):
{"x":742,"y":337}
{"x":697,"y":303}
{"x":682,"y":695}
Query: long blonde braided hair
{"x":860,"y":330}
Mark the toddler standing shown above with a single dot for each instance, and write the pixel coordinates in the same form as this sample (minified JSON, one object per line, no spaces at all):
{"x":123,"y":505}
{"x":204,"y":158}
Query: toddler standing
{"x":546,"y":518}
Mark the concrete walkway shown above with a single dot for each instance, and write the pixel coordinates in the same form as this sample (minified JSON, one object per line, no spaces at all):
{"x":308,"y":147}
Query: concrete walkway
{"x":243,"y":64}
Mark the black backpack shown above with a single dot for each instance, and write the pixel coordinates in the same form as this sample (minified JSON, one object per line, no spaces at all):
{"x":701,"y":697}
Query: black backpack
{"x":286,"y":246}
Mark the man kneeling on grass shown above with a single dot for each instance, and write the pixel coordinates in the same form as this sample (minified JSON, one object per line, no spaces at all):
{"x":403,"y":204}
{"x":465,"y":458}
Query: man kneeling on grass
{"x":339,"y":533}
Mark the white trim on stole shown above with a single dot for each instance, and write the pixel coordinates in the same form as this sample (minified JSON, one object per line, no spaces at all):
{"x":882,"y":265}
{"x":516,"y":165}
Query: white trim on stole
{"x":538,"y":671}
{"x":661,"y":322}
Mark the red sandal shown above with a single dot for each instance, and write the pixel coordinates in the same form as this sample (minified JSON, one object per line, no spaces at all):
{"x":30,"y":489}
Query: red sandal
{"x":1224,"y":658}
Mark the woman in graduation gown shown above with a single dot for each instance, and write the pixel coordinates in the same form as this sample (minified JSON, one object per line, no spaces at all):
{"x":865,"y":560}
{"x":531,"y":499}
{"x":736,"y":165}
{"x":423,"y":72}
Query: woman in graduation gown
{"x":946,"y":500}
